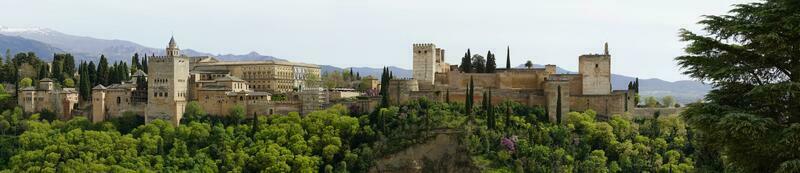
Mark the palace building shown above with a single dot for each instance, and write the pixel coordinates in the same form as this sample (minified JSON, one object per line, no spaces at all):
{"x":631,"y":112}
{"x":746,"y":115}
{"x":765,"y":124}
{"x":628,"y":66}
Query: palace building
{"x":174,"y":79}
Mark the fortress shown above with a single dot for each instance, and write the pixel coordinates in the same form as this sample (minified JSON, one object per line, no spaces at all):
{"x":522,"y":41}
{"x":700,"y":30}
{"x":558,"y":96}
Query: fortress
{"x":174,"y":79}
{"x":544,"y":87}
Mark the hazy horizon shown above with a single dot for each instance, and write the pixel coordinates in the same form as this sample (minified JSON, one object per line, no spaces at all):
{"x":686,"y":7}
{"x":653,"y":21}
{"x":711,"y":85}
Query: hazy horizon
{"x":642,"y":36}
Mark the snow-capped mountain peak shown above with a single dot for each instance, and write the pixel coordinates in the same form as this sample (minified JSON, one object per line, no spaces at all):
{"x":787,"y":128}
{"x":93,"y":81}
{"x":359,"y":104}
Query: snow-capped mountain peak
{"x":38,"y":30}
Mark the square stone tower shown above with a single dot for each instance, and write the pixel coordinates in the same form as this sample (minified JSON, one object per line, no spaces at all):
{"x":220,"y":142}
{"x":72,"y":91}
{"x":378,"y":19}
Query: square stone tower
{"x":595,"y":70}
{"x":167,"y":85}
{"x":98,"y":103}
{"x":425,"y":57}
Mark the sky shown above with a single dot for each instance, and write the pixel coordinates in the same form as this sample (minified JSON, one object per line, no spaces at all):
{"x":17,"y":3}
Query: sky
{"x":642,"y":34}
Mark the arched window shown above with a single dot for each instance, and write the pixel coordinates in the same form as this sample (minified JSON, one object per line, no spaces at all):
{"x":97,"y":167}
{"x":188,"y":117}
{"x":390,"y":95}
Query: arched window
{"x":119,"y":100}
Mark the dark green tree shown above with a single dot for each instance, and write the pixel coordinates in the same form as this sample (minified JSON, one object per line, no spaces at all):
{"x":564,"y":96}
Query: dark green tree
{"x":92,"y":70}
{"x":478,"y":64}
{"x":752,"y":116}
{"x":491,"y":65}
{"x":69,"y":66}
{"x":508,"y":57}
{"x":558,"y":104}
{"x":466,"y":63}
{"x":144,"y":63}
{"x":135,"y":63}
{"x":470,"y":97}
{"x":103,"y":71}
{"x":43,"y":72}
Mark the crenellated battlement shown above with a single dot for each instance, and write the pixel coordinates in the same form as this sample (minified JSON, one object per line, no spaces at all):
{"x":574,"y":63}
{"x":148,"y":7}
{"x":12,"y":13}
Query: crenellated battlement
{"x":424,"y":45}
{"x":157,"y":59}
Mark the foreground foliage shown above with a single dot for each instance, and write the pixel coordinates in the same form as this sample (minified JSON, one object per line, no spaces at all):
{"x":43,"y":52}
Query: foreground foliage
{"x":750,"y":122}
{"x":524,"y":141}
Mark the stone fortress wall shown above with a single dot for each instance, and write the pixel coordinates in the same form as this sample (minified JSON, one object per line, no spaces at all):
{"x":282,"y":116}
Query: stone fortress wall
{"x":589,"y":89}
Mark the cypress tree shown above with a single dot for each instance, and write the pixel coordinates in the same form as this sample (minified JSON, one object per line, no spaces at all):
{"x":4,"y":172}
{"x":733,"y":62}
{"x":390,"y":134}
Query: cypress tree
{"x":384,"y":88}
{"x":144,"y":63}
{"x":85,"y":84}
{"x":43,"y":72}
{"x":491,"y":65}
{"x":92,"y":70}
{"x":470,"y":97}
{"x":483,"y":105}
{"x":135,"y":63}
{"x":491,"y":117}
{"x":558,"y":105}
{"x":466,"y":63}
{"x":69,"y":66}
{"x":508,"y":57}
{"x":103,"y":71}
{"x":58,"y":72}
{"x":447,"y":96}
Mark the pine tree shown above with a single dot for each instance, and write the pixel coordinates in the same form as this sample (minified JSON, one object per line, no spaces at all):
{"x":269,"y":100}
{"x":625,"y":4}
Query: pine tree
{"x":103,"y":71}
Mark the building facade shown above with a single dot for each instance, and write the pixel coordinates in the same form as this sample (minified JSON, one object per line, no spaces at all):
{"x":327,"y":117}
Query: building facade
{"x":217,"y":86}
{"x":47,"y":96}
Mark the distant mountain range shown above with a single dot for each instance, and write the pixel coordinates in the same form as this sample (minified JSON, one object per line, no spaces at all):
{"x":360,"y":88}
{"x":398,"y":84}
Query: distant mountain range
{"x":45,"y":42}
{"x":88,"y":48}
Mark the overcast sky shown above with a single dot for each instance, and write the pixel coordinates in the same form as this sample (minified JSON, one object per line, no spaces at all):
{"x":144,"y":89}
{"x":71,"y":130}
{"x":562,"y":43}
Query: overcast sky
{"x":642,"y":34}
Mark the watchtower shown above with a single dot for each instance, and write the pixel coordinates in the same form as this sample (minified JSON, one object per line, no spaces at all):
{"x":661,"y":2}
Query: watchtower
{"x":595,"y":70}
{"x":425,"y":58}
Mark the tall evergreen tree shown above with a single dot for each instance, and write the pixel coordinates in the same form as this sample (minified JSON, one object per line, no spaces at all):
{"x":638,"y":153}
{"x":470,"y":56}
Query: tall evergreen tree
{"x":103,"y":71}
{"x":466,"y":63}
{"x":44,"y":72}
{"x":135,"y":63}
{"x":751,"y":57}
{"x":84,"y":83}
{"x":69,"y":66}
{"x":558,"y":104}
{"x":92,"y":70}
{"x":491,"y":65}
{"x":470,"y":97}
{"x":384,"y":87}
{"x":491,"y":116}
{"x":144,"y":63}
{"x":447,"y":96}
{"x":57,"y":73}
{"x":508,"y":57}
